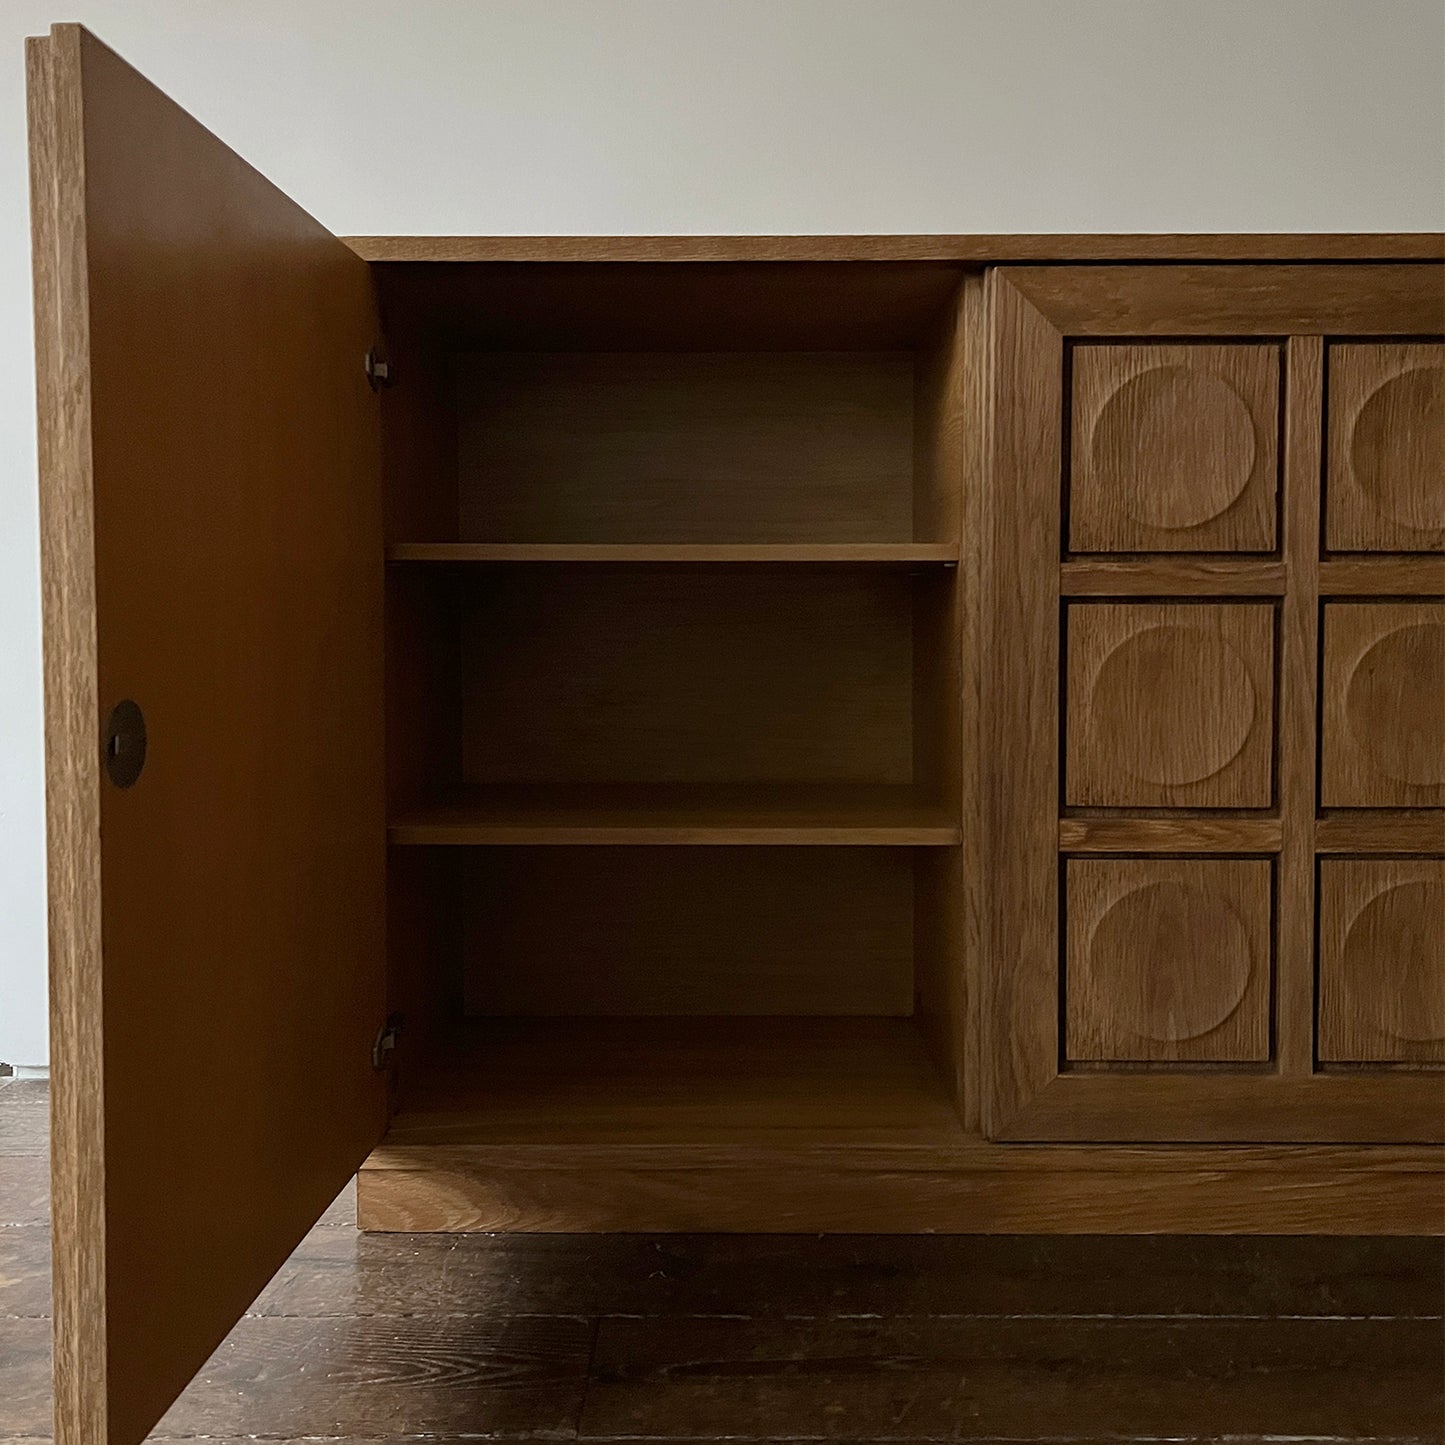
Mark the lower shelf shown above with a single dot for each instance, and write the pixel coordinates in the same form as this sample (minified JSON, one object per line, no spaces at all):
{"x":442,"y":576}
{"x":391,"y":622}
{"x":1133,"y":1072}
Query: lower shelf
{"x":672,"y":814}
{"x":813,"y":1125}
{"x":661,"y":1082}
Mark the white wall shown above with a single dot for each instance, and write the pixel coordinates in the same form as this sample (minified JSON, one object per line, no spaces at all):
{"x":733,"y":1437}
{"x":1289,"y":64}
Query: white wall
{"x":715,"y":116}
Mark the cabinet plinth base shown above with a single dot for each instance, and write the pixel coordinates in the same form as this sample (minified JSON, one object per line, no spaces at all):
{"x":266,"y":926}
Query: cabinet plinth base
{"x":975,"y":1188}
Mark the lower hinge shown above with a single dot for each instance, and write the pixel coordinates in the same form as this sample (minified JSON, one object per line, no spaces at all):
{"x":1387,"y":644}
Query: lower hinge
{"x":387,"y":1037}
{"x":378,"y":369}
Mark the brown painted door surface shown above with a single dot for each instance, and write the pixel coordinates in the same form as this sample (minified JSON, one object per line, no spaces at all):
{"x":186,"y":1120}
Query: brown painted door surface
{"x":211,"y":553}
{"x":1216,"y":704}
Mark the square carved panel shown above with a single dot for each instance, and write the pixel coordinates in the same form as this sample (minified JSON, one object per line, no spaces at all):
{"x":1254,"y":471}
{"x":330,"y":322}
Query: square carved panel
{"x":1174,"y":448}
{"x":1168,"y":959}
{"x":1169,"y":705}
{"x":1382,"y":960}
{"x":1386,"y":448}
{"x":1383,"y":705}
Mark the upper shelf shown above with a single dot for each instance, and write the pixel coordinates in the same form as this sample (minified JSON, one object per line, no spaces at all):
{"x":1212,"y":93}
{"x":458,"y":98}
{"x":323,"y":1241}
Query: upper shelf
{"x":897,"y":554}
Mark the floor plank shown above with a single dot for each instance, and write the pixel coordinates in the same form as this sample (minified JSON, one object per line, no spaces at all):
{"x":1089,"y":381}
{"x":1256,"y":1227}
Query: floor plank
{"x":25,"y":1377}
{"x":341,"y":1212}
{"x":24,"y":1191}
{"x":398,"y":1377}
{"x":25,"y":1271}
{"x":25,"y":1120}
{"x":338,"y":1272}
{"x":1054,"y":1379}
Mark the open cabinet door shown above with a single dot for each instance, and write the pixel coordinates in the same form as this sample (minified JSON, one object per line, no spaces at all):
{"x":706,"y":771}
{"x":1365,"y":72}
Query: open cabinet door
{"x":212,"y":576}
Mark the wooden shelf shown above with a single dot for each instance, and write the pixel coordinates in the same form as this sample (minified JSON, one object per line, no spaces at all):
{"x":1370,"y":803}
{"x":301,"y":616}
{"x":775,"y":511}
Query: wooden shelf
{"x":887,"y":554}
{"x":863,"y":815}
{"x":676,"y":1081}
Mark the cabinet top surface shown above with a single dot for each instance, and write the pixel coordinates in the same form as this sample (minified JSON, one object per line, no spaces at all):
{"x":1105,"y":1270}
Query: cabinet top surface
{"x":969,"y":249}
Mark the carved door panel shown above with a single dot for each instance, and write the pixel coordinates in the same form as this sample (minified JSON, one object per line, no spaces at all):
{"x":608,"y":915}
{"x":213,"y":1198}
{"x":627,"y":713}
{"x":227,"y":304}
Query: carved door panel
{"x":1215,"y":704}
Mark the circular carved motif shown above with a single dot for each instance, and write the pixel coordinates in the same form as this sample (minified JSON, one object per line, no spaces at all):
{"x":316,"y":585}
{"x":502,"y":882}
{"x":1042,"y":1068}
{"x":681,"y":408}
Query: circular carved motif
{"x":1400,"y":928}
{"x":1179,"y":956}
{"x":1396,"y":446}
{"x":1172,"y":704}
{"x":1179,"y":445}
{"x":1393,"y":702}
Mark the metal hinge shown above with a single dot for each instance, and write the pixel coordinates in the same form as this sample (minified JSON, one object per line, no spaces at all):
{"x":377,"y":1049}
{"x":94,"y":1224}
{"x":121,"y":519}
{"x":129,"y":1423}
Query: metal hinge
{"x":387,"y":1037}
{"x":378,"y":369}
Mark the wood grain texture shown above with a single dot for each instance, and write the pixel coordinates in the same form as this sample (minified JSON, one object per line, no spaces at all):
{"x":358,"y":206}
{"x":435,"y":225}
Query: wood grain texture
{"x":727,"y":307}
{"x":347,"y":1377}
{"x":1386,"y":454}
{"x":675,"y":814}
{"x":1238,"y":301}
{"x":1367,"y":1107}
{"x":1382,"y":960}
{"x":668,"y":447}
{"x":1184,"y":834}
{"x":648,"y":675}
{"x":1169,"y":705}
{"x":72,"y":758}
{"x":24,"y":1273}
{"x":25,"y":1191}
{"x":977,"y":249}
{"x":1020,"y":712}
{"x":418,"y":414}
{"x":975,"y":1188}
{"x":1168,"y":959}
{"x":1298,"y":683}
{"x":187,"y":571}
{"x":25,"y":1372}
{"x":666,"y":1081}
{"x":1389,"y":830}
{"x":967,"y":1380}
{"x":1383,"y":727}
{"x":1382,"y":576}
{"x":1179,"y":576}
{"x":797,"y":1277}
{"x":950,"y":415}
{"x":720,"y":930}
{"x":1174,"y":448}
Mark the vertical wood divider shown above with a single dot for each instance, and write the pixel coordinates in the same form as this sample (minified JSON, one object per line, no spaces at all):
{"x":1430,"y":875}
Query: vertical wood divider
{"x":1299,"y":652}
{"x":972,"y":541}
{"x":946,"y":441}
{"x":1019,"y":740}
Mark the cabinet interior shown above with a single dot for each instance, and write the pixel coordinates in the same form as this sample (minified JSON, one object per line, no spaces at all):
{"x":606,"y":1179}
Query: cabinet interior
{"x":673,"y":698}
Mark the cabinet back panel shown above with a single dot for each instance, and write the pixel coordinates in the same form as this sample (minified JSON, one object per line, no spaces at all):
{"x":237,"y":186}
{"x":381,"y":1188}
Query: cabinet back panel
{"x":760,"y":931}
{"x":669,"y":675}
{"x":641,"y":306}
{"x":685,"y":447}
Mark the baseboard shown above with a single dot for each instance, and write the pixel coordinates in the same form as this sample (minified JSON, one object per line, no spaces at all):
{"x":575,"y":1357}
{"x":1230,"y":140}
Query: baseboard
{"x":25,"y":1071}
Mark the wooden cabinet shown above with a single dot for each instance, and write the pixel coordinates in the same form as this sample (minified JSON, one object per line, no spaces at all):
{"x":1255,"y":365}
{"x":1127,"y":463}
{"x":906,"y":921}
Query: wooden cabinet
{"x":773,"y":722}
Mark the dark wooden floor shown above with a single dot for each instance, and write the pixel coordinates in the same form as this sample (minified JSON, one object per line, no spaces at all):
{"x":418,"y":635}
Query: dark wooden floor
{"x":383,"y":1337}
